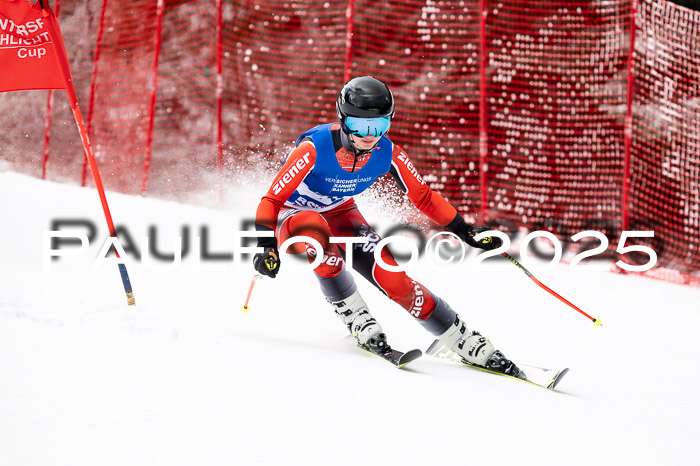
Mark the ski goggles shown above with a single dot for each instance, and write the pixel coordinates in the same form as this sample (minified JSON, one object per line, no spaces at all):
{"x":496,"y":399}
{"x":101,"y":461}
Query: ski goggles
{"x":368,"y":126}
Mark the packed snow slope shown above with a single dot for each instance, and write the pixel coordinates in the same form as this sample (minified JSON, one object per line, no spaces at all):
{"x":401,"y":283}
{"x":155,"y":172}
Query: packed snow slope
{"x":186,"y":378}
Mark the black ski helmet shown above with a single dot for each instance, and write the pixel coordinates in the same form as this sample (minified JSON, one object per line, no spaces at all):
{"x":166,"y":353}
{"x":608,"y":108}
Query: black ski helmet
{"x":364,"y":97}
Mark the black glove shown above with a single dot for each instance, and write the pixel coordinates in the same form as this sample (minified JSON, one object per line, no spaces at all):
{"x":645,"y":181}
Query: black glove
{"x":267,"y":262}
{"x":488,"y":243}
{"x":466,"y":233}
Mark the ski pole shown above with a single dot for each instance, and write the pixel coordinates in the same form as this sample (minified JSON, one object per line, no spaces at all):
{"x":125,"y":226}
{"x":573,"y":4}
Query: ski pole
{"x":595,"y":321}
{"x":256,"y":277}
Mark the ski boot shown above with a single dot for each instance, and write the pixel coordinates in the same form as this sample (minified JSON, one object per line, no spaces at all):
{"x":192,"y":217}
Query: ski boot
{"x":499,"y":363}
{"x":355,"y":315}
{"x":477,"y":350}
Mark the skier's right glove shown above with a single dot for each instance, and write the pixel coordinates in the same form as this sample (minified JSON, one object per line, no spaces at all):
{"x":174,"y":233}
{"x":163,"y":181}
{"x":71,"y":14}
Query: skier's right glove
{"x":267,"y":262}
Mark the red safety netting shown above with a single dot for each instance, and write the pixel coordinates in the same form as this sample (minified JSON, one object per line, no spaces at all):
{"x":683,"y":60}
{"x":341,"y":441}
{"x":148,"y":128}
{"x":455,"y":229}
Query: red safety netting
{"x":282,"y":63}
{"x":121,"y":84}
{"x":428,"y":53}
{"x":664,"y":189}
{"x":515,"y":110}
{"x":554,"y":85}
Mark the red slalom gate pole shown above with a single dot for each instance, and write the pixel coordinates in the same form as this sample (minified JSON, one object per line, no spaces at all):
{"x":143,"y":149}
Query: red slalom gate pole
{"x":62,"y":58}
{"x":595,"y":321}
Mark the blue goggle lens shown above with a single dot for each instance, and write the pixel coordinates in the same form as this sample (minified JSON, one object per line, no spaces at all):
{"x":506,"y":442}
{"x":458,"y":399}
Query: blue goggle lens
{"x":368,"y":126}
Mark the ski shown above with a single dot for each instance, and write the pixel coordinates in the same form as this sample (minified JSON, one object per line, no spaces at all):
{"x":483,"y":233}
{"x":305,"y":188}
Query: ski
{"x":395,"y":357}
{"x":546,"y":378}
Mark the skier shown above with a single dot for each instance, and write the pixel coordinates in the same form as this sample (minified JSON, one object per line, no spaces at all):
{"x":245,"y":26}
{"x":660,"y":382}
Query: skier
{"x":312,"y":195}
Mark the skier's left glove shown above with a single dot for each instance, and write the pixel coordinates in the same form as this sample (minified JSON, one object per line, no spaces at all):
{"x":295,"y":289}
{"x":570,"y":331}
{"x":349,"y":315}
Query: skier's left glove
{"x":467,"y":232}
{"x":267,"y":262}
{"x":488,"y":243}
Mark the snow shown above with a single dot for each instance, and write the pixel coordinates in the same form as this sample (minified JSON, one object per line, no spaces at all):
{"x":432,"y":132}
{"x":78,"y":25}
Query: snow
{"x":185,"y":378}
